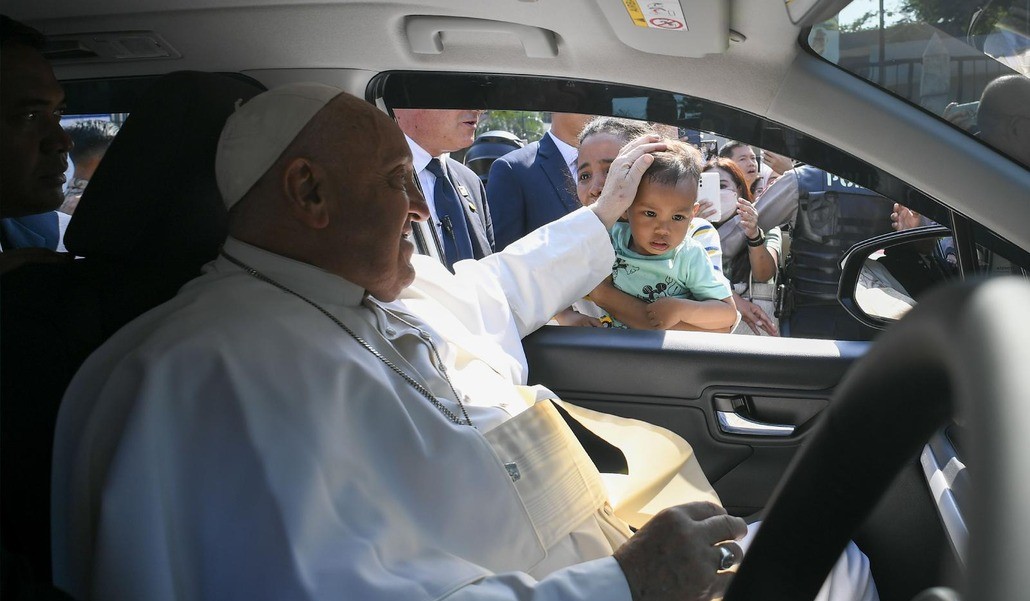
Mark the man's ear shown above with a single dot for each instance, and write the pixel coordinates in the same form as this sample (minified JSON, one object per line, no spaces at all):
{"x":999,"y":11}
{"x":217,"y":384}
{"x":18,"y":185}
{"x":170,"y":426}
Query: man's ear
{"x":304,"y":183}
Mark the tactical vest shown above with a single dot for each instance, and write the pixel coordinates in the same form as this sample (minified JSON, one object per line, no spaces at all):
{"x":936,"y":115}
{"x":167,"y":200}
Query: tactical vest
{"x":833,"y":214}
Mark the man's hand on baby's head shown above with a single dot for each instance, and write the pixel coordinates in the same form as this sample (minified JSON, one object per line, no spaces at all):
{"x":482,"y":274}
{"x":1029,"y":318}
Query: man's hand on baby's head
{"x":620,"y":187}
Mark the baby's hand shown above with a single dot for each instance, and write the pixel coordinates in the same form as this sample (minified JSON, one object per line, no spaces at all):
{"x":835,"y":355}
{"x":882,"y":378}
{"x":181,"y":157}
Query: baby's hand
{"x":664,"y":313}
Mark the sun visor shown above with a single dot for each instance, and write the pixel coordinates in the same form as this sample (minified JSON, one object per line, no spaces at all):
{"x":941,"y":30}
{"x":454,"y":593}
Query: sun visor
{"x":666,"y":27}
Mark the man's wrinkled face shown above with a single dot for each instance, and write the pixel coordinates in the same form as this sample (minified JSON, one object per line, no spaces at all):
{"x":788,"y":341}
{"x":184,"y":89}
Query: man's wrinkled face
{"x":373,"y":202}
{"x":439,"y":130}
{"x":33,"y":146}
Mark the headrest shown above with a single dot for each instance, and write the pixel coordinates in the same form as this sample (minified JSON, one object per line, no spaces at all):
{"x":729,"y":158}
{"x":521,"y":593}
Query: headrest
{"x":153,"y":198}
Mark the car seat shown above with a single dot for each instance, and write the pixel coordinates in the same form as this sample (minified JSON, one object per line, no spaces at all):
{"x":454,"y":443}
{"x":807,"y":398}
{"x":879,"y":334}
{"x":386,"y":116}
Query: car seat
{"x":149,"y":219}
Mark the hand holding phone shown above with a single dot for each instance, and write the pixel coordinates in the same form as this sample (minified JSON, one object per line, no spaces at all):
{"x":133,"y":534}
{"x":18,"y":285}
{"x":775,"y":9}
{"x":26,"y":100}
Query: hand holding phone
{"x":708,"y":205}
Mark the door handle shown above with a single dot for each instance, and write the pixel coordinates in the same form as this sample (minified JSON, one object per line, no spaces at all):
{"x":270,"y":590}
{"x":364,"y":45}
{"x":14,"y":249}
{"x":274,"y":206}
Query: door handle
{"x":731,"y":422}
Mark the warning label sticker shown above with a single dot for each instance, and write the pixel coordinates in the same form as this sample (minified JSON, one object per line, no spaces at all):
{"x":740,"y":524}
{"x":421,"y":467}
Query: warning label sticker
{"x":657,"y":14}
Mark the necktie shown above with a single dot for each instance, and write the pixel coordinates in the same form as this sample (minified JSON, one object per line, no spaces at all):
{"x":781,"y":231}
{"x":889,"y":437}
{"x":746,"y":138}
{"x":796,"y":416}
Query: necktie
{"x":456,"y":241}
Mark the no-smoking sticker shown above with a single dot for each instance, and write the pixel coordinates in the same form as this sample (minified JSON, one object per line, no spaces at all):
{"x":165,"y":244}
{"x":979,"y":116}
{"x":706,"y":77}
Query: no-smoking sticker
{"x":666,"y":23}
{"x":657,"y":14}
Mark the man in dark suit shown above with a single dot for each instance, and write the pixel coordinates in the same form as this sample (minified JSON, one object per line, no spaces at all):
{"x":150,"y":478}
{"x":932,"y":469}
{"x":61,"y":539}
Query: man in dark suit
{"x":535,"y":185}
{"x":459,"y":226}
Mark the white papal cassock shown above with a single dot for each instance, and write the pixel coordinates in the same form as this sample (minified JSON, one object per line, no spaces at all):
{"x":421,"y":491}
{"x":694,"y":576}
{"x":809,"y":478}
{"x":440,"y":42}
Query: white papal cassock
{"x":235,"y":443}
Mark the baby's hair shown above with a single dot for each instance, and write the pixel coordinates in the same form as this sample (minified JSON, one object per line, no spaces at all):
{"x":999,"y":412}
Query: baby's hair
{"x":624,"y":129}
{"x":681,"y":161}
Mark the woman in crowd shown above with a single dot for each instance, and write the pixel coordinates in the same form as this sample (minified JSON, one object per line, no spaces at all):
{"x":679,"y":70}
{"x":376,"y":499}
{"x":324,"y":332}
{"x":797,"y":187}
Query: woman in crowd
{"x":752,"y":270}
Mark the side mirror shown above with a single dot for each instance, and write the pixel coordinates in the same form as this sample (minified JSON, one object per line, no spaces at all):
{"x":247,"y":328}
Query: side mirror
{"x":882,"y":278}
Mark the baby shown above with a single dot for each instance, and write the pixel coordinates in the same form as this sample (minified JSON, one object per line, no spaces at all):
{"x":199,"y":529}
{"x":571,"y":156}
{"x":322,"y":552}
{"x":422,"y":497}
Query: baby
{"x":657,"y":262}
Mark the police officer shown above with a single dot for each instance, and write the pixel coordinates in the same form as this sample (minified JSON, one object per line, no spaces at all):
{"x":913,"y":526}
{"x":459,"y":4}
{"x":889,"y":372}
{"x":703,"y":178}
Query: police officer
{"x":827,"y":214}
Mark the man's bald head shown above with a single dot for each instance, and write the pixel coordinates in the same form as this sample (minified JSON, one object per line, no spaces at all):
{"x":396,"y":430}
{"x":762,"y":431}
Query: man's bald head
{"x":1004,"y":116}
{"x":340,"y":195}
{"x":338,"y":132}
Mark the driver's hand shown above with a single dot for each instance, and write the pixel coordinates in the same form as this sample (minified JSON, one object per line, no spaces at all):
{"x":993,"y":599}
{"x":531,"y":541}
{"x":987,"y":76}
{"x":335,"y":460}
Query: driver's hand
{"x":675,"y":555}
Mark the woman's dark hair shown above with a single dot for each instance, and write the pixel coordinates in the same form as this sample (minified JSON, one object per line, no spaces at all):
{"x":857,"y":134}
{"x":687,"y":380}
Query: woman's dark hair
{"x":624,"y":129}
{"x":730,"y":166}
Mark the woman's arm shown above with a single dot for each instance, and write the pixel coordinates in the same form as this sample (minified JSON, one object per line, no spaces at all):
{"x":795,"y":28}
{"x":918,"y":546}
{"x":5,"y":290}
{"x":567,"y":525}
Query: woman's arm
{"x":763,"y":260}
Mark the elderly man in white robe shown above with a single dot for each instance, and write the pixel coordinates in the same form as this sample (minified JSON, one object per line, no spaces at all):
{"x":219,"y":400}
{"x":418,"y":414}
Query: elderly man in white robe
{"x":322,"y":415}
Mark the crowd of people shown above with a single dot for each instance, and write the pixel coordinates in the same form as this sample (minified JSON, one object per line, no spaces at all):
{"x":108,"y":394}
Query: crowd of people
{"x":746,"y":239}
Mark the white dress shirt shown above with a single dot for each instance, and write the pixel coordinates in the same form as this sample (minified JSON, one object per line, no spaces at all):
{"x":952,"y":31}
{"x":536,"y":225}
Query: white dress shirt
{"x":568,"y":152}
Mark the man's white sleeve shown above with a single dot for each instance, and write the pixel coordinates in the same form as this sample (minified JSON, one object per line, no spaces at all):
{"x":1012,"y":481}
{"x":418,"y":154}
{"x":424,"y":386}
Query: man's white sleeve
{"x":597,"y":580}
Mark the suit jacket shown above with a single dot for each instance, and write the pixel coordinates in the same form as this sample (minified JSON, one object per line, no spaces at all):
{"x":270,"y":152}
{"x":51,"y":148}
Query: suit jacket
{"x":43,"y":230}
{"x":527,"y":188}
{"x":477,"y":212}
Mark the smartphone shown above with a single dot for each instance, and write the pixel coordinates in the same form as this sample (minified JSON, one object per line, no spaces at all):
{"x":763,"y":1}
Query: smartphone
{"x":708,"y":189}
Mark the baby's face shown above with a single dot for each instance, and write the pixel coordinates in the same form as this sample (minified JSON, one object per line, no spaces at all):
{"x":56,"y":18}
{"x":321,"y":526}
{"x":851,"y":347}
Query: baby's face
{"x":660,"y":215}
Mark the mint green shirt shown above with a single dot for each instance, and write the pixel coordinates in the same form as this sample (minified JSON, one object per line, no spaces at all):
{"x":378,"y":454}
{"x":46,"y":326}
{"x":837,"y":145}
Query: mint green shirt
{"x":683,"y":272}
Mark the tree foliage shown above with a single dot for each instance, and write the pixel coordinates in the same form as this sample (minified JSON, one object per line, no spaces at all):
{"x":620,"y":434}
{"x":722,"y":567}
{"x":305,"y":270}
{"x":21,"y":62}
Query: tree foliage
{"x":954,"y":16}
{"x":528,"y":125}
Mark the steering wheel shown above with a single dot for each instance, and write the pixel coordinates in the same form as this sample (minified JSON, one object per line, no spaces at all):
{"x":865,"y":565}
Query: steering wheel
{"x":961,"y":354}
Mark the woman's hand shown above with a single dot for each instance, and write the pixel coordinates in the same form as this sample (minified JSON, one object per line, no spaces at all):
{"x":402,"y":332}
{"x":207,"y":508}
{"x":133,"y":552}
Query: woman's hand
{"x":706,"y":209}
{"x":748,"y":218}
{"x":904,"y":218}
{"x":755,"y":317}
{"x":571,"y":317}
{"x":623,"y":178}
{"x":777,"y":162}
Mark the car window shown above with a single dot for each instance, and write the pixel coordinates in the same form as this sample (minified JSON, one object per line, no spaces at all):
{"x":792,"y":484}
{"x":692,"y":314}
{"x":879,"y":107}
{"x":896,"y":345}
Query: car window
{"x":836,"y":213}
{"x":961,"y":61}
{"x":91,"y":134}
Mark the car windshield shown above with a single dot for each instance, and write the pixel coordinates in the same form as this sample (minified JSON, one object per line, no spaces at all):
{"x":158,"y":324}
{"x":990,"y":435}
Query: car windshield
{"x":941,"y":56}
